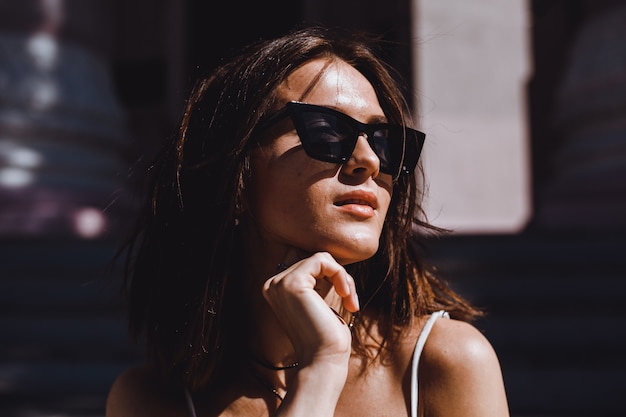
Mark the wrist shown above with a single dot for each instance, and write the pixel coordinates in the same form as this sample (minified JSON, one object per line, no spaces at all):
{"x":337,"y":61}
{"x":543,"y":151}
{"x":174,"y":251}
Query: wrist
{"x":315,"y":389}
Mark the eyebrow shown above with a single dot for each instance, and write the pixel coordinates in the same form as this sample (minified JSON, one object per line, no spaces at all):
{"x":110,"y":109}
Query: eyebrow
{"x":378,"y":119}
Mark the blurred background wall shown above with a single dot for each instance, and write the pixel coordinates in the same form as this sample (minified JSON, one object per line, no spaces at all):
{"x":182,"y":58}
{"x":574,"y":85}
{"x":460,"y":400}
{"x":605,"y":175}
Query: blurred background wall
{"x":90,"y":88}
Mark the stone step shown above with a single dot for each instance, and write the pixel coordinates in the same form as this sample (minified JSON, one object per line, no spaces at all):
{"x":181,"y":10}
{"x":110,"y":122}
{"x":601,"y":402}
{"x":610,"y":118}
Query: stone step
{"x":81,"y":337}
{"x":63,"y":334}
{"x":566,"y":392}
{"x":553,"y":308}
{"x":542,"y":293}
{"x":559,"y":336}
{"x":59,"y":377}
{"x":51,"y":256}
{"x":554,"y":315}
{"x":517,"y":255}
{"x":49,"y":388}
{"x":75,"y":291}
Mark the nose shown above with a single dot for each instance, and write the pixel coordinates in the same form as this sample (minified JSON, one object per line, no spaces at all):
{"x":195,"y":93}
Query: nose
{"x":363,"y":160}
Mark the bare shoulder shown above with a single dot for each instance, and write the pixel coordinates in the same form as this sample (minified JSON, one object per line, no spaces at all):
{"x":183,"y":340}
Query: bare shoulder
{"x":455,"y":344}
{"x":460,"y":373}
{"x":138,"y":392}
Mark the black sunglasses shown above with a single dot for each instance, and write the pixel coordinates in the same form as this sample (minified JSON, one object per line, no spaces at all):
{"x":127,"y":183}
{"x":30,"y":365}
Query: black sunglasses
{"x":329,"y":135}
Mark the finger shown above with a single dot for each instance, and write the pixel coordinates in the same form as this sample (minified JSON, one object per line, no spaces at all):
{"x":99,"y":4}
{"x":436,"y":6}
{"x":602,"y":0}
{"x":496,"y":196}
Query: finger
{"x":340,"y":279}
{"x":352,"y":303}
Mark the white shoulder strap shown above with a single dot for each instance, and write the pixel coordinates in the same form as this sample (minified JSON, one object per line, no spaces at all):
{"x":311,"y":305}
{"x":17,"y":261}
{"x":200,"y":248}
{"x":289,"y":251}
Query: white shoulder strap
{"x":419,"y":346}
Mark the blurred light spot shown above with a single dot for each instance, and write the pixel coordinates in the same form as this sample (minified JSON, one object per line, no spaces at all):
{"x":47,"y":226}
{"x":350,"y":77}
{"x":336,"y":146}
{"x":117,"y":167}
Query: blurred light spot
{"x":20,"y":156}
{"x":89,"y":222}
{"x":15,"y":177}
{"x":43,"y":48}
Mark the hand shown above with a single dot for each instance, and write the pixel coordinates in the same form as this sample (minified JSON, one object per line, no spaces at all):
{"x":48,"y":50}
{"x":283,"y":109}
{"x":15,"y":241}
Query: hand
{"x":296,"y":295}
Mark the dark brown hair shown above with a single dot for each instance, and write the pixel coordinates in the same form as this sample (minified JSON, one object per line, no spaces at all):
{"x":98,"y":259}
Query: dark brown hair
{"x":183,"y":261}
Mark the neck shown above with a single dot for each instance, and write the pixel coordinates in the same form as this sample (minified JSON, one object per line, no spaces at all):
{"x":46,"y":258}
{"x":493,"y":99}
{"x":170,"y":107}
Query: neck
{"x":266,"y":340}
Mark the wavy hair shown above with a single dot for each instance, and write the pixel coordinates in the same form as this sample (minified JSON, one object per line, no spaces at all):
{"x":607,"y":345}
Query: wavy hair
{"x":183,"y":259}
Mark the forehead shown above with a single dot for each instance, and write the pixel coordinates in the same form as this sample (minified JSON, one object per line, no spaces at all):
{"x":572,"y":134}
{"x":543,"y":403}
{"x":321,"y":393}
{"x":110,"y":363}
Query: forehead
{"x":329,"y":82}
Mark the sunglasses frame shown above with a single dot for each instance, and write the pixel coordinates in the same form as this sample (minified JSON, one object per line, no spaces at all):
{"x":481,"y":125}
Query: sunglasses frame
{"x":296,"y":110}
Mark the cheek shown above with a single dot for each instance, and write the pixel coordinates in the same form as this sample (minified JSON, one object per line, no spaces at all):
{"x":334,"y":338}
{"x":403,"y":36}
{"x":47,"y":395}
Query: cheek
{"x":385,"y":206}
{"x":275,"y":190}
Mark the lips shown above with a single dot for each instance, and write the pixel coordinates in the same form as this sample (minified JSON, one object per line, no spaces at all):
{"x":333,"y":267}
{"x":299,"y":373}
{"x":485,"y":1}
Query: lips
{"x":361,"y":202}
{"x":362,"y":198}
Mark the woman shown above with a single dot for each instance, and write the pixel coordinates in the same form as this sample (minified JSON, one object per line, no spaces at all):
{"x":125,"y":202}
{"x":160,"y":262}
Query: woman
{"x":275,"y":271}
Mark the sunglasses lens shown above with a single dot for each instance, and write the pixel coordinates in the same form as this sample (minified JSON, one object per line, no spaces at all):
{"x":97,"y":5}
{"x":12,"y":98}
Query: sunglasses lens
{"x":382,"y":143}
{"x":414,"y":142}
{"x":327,"y":137}
{"x":398,"y":149}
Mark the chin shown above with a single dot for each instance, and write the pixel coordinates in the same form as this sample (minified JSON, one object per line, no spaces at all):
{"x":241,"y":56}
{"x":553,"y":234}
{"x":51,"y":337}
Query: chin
{"x":347,"y":257}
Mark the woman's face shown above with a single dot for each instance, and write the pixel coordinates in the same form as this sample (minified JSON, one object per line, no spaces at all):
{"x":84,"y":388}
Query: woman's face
{"x":296,"y":201}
